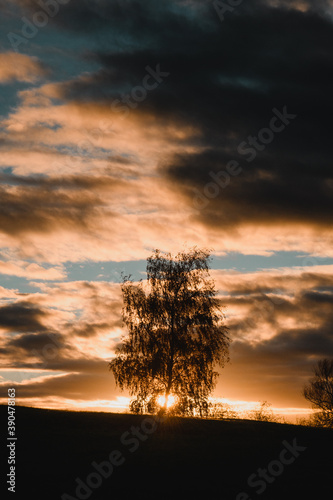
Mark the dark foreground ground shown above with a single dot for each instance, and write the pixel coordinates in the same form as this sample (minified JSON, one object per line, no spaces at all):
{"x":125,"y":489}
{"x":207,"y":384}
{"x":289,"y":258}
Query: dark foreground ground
{"x":183,"y":458}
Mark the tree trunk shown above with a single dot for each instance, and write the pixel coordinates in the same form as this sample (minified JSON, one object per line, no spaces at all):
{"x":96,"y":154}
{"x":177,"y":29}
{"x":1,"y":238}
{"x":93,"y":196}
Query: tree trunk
{"x":166,"y":400}
{"x":170,"y":364}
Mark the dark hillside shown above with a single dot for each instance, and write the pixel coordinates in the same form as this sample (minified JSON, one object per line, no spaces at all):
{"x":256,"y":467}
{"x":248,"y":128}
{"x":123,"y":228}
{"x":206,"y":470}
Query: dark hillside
{"x":182,"y":458}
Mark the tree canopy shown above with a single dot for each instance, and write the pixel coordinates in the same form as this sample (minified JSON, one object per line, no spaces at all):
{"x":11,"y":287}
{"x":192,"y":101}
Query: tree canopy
{"x":175,"y":334}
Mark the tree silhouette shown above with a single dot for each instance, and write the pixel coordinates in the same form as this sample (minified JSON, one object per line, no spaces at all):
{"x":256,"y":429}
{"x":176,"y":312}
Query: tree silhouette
{"x":176,"y":334}
{"x":320,"y":392}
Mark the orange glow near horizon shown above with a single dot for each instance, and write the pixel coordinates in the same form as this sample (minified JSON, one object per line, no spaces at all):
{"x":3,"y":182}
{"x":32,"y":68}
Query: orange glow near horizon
{"x":171,"y":401}
{"x":243,"y":409}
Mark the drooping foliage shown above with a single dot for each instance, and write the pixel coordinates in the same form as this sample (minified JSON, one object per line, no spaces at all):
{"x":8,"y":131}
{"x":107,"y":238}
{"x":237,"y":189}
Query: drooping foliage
{"x":176,"y":334}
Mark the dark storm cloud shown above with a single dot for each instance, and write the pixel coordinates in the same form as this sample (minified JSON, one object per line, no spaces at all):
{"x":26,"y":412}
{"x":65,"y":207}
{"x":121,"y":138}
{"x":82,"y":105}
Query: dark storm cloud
{"x":74,"y":182}
{"x":311,"y":336}
{"x":93,"y":329}
{"x":277,"y":338}
{"x":282,"y":364}
{"x":41,"y":205}
{"x":61,"y":363}
{"x":126,"y":17}
{"x":50,"y":350}
{"x":225,"y":79}
{"x":263,"y":192}
{"x":57,"y":345}
{"x":294,"y":344}
{"x":301,"y":343}
{"x":31,"y":341}
{"x":321,"y":298}
{"x":73,"y":386}
{"x":22,"y":317}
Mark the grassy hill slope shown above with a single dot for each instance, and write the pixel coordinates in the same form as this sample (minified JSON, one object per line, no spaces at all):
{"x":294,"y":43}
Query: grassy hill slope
{"x":182,"y":458}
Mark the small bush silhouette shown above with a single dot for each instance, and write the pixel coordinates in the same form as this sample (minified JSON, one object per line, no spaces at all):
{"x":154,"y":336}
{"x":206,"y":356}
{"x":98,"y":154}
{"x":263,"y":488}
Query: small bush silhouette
{"x":264,"y":413}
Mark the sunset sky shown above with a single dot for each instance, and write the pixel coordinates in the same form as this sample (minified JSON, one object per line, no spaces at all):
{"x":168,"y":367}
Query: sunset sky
{"x":131,"y":125}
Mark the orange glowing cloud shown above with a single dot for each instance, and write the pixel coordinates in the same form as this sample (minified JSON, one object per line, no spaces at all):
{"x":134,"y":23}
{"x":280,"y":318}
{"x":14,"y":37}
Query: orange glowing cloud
{"x":20,"y":67}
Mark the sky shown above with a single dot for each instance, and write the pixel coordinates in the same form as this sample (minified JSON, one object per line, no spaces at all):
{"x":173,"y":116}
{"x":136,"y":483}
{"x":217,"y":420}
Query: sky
{"x":130,"y":125}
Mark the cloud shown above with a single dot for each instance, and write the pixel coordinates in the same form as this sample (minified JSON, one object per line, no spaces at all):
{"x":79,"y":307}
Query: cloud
{"x":22,"y":316}
{"x":30,"y":270}
{"x":72,"y":386}
{"x":57,"y":328}
{"x":280,"y":322}
{"x":32,"y":342}
{"x":22,"y":209}
{"x":95,"y":166}
{"x":280,"y":328}
{"x":20,"y":67}
{"x":224,"y":80}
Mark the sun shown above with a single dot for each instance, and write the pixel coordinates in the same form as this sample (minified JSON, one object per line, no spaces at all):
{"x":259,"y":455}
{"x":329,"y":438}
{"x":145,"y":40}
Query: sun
{"x":171,"y":400}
